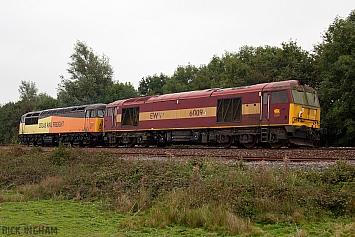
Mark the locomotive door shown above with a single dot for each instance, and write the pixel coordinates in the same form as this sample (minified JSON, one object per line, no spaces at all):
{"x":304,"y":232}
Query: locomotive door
{"x":114,"y":117}
{"x":279,"y":107}
{"x":264,"y":116}
{"x":89,"y":125}
{"x":86,"y":120}
{"x":265,"y":109}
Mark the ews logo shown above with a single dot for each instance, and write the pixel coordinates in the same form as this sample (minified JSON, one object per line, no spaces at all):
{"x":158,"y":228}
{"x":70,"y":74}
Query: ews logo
{"x":156,"y":115}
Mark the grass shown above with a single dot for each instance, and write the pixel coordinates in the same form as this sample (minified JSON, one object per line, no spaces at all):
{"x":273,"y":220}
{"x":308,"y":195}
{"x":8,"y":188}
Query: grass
{"x":73,"y":218}
{"x":69,"y":217}
{"x":90,"y":193}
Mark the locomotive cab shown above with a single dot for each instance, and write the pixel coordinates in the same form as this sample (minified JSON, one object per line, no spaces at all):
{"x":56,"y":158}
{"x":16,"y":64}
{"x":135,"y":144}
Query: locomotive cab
{"x":94,"y":115}
{"x":304,"y":119}
{"x":289,"y":115}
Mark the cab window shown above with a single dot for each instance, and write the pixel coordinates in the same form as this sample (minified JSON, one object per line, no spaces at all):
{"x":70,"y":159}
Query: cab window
{"x":109,"y":112}
{"x":100,"y":113}
{"x":279,"y":97}
{"x":265,"y":95}
{"x":305,"y":98}
{"x":312,"y":99}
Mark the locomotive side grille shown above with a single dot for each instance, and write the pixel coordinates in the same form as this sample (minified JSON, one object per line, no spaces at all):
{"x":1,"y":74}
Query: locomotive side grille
{"x":130,"y":116}
{"x":229,"y":110}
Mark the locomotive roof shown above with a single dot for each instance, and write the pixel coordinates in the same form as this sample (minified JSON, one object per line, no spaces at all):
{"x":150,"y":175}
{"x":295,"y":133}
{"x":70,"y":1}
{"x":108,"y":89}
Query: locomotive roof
{"x":96,"y":106}
{"x":64,"y":110}
{"x":204,"y":93}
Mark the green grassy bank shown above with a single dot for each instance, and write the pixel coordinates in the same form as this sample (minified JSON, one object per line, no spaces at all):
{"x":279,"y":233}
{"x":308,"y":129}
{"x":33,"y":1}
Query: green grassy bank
{"x":90,"y":193}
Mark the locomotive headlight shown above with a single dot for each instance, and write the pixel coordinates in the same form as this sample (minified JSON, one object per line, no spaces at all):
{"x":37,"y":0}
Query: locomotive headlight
{"x":300,"y":114}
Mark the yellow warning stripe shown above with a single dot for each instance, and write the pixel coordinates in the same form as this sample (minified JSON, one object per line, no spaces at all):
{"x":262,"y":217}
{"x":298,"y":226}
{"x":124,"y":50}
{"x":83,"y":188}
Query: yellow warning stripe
{"x":253,"y":108}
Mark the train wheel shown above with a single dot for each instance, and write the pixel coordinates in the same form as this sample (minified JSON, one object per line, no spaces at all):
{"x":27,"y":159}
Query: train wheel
{"x":249,"y":145}
{"x":113,"y":145}
{"x":144,"y":144}
{"x":276,"y":145}
{"x":229,"y":143}
{"x":76,"y":142}
{"x":113,"y":142}
{"x":131,"y":144}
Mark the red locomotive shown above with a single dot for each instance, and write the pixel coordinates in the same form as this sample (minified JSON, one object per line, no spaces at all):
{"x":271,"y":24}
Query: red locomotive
{"x":276,"y":114}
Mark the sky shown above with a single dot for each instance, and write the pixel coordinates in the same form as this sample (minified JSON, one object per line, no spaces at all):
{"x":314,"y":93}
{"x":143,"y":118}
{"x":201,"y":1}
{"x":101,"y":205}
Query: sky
{"x":146,"y":37}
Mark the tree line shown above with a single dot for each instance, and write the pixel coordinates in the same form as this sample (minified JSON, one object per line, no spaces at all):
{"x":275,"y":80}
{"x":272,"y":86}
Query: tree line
{"x":329,"y":68}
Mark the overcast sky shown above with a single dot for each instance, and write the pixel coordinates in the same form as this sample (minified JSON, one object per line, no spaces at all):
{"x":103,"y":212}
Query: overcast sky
{"x":147,"y":37}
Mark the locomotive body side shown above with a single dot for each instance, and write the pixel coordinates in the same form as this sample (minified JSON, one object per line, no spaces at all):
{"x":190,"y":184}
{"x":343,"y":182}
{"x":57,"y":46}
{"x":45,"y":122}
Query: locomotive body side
{"x":76,"y":125}
{"x":271,"y":114}
{"x":259,"y":114}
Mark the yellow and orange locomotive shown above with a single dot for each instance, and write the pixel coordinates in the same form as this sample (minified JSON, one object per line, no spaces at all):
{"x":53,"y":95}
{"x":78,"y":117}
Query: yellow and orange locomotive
{"x":77,"y":125}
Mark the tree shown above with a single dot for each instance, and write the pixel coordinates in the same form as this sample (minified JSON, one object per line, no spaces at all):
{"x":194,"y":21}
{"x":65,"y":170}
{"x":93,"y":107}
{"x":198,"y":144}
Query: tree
{"x":214,"y":71}
{"x":28,"y":94}
{"x":335,"y":73}
{"x":28,"y":90}
{"x":45,"y":101}
{"x":90,"y":77}
{"x":119,"y":91}
{"x":203,"y":79}
{"x":295,"y":63}
{"x":181,"y":79}
{"x":10,"y":115}
{"x":251,"y":65}
{"x":9,"y":121}
{"x":152,"y":85}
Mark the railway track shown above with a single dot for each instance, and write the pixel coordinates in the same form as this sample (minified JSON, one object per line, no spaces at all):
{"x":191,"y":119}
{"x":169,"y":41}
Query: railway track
{"x":292,"y":155}
{"x":176,"y":152}
{"x":228,"y":157}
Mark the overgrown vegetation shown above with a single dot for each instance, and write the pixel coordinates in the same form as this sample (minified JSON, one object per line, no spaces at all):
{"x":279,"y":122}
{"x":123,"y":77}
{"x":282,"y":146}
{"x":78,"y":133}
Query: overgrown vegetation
{"x":197,"y":193}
